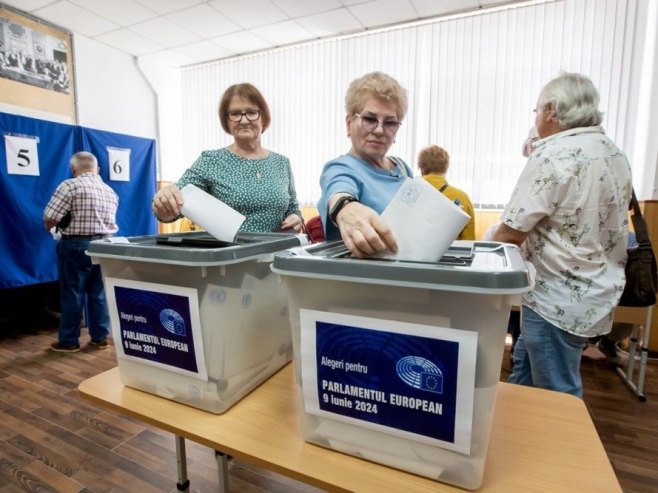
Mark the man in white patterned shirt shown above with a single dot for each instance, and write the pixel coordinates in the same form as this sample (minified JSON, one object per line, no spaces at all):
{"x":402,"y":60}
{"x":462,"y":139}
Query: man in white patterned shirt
{"x":92,"y":206}
{"x":570,"y":206}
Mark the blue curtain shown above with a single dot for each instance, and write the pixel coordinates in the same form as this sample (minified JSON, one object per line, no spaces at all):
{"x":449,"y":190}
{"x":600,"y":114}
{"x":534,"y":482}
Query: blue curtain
{"x":27,"y":250}
{"x":134,"y":216}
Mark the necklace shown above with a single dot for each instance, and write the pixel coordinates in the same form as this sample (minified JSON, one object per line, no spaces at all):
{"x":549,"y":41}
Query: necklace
{"x":252,"y":158}
{"x":254,"y":164}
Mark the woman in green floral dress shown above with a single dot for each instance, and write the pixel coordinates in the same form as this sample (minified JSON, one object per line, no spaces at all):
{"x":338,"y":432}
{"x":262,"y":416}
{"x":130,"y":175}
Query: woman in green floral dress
{"x":254,"y":181}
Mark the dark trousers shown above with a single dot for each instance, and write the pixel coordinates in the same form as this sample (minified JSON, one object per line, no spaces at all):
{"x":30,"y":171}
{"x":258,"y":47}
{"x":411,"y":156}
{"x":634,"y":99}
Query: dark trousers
{"x":79,"y":279}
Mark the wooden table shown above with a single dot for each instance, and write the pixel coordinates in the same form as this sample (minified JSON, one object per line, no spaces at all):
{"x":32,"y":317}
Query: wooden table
{"x":540,"y":440}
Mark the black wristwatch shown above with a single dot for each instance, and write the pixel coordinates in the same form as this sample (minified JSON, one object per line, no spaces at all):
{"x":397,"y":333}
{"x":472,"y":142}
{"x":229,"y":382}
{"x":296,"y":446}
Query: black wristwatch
{"x":338,"y":206}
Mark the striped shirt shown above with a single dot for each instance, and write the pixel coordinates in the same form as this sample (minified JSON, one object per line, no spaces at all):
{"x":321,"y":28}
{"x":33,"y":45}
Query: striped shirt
{"x":92,"y":203}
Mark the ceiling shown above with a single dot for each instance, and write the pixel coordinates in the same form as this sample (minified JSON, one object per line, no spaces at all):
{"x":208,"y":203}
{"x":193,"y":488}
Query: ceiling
{"x":185,"y":32}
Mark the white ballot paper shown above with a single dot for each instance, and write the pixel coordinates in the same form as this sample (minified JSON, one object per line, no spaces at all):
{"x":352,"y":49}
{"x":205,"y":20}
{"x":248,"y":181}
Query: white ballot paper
{"x":424,"y":221}
{"x":210,"y":213}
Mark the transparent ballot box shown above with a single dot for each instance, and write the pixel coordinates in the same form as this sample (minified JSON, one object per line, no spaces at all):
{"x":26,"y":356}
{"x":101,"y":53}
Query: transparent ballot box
{"x":196,"y":320}
{"x":398,"y":362}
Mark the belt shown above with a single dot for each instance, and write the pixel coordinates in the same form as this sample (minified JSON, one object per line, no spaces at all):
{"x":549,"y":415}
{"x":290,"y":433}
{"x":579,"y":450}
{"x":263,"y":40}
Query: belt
{"x":84,"y":237}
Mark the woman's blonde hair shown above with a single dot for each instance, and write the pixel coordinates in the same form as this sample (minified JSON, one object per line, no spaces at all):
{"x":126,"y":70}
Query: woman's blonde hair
{"x":378,"y":85}
{"x":433,"y":160}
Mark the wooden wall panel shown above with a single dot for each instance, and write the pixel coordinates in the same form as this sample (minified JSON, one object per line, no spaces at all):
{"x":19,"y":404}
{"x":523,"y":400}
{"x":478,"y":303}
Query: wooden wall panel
{"x":650,"y":211}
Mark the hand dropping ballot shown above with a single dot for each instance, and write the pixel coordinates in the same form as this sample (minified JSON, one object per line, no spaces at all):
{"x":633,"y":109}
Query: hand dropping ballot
{"x":424,"y":221}
{"x":220,"y":220}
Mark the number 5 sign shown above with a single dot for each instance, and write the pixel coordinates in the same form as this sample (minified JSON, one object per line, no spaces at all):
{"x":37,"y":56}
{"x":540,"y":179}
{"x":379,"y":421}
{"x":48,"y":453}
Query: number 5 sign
{"x":119,"y":160}
{"x":22,"y":156}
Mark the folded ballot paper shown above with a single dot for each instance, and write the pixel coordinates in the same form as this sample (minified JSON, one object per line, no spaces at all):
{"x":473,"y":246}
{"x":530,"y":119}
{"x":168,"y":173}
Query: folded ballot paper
{"x":424,"y":221}
{"x":217,"y":218}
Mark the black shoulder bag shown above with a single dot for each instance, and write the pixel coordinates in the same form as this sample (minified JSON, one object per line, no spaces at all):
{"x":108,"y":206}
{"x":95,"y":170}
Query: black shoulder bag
{"x":64,"y":221}
{"x":641,"y":272}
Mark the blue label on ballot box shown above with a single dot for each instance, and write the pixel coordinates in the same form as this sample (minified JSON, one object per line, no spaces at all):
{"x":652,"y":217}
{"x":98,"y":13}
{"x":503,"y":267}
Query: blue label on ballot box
{"x":156,"y":326}
{"x":406,"y":382}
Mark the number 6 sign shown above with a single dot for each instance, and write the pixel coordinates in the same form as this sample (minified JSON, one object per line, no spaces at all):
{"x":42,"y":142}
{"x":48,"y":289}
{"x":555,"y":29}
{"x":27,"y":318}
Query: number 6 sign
{"x":22,"y":155}
{"x":119,"y":160}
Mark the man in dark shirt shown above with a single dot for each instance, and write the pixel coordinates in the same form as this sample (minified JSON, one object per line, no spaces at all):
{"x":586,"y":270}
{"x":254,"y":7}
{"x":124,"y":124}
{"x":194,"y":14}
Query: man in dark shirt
{"x":92,"y":206}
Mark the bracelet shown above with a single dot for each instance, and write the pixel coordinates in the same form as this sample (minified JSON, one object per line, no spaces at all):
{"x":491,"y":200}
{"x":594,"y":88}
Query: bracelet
{"x":338,"y":206}
{"x":180,"y":216}
{"x":176,"y":218}
{"x":155,"y":214}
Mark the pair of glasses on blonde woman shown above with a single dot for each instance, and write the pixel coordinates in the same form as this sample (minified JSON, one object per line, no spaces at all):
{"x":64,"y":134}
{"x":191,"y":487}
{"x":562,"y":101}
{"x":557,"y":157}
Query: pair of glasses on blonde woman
{"x":370,"y":123}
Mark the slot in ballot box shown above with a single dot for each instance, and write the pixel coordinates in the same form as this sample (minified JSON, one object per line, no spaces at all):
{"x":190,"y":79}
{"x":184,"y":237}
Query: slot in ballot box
{"x":196,"y":320}
{"x":397,"y":362}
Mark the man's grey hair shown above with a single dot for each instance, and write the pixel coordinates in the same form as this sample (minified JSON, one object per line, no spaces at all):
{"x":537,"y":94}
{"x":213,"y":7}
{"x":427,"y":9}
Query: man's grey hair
{"x":575,"y":99}
{"x":84,"y":161}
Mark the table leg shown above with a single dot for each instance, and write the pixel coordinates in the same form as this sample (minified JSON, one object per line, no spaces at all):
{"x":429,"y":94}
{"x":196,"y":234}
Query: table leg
{"x":644,"y":355}
{"x":222,"y":466}
{"x":183,"y":483}
{"x":627,"y":375}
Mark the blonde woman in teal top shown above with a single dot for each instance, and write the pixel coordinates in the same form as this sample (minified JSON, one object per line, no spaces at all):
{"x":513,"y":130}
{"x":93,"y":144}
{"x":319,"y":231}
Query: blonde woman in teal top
{"x":254,"y":181}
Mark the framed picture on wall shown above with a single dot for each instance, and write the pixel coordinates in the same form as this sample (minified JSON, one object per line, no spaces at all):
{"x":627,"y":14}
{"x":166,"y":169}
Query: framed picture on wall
{"x":36,"y":65}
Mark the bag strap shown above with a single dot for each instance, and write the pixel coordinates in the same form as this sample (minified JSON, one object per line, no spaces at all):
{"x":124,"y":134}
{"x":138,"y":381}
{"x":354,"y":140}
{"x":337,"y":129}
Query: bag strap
{"x":400,"y":164}
{"x":639,"y":224}
{"x":443,"y":188}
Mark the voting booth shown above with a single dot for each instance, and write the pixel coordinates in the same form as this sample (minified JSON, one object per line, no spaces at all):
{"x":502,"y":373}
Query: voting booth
{"x":398,"y":362}
{"x":196,"y":320}
{"x":34,"y":160}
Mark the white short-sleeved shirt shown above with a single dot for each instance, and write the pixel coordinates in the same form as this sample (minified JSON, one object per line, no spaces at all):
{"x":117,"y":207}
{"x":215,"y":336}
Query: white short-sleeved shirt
{"x":572,"y":198}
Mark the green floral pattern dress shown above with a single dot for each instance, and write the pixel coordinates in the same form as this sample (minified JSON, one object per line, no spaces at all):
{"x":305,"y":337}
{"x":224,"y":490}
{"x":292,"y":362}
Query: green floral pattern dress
{"x":572,"y":197}
{"x":263,"y":190}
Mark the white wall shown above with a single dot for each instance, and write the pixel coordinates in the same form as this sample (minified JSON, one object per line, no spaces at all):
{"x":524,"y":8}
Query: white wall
{"x":645,"y":126}
{"x":112,"y":93}
{"x":166,"y":82}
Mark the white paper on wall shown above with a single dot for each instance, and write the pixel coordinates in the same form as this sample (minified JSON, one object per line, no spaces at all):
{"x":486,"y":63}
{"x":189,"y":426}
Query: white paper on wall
{"x":119,"y":161}
{"x":22,"y":155}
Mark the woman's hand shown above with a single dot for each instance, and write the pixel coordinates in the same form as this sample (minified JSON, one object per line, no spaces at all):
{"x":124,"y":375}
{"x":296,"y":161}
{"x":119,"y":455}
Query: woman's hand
{"x":167,"y":203}
{"x":293,"y":221}
{"x":364,"y":231}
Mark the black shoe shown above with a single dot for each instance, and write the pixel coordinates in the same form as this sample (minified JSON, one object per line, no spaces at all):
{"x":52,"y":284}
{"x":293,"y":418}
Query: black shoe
{"x":609,"y":350}
{"x":102,"y":344}
{"x":64,"y":348}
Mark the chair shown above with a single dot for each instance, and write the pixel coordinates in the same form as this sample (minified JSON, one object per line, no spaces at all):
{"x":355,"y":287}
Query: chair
{"x":315,"y":230}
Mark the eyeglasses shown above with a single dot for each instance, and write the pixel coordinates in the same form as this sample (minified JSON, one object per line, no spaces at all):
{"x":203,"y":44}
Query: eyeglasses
{"x":236,"y":116}
{"x":370,"y":124}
